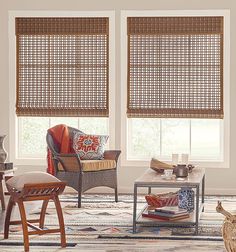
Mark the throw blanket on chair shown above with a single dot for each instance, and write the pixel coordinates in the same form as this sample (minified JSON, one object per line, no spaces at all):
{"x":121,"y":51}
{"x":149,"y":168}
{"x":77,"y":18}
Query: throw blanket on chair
{"x":61,"y":137}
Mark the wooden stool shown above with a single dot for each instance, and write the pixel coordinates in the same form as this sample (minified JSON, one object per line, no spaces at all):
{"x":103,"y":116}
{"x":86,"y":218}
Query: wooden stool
{"x":29,"y":187}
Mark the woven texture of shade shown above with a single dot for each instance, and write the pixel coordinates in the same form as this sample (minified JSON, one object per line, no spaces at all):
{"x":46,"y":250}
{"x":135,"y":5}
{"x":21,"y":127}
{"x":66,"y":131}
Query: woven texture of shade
{"x":175,"y":67}
{"x":62,"y":66}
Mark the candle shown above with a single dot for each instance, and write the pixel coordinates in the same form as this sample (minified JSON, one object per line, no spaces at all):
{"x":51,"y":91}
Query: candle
{"x":184,"y":159}
{"x":175,"y":159}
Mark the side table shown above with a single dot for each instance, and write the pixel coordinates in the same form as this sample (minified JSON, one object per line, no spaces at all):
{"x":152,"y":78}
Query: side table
{"x":150,"y":179}
{"x":2,"y":174}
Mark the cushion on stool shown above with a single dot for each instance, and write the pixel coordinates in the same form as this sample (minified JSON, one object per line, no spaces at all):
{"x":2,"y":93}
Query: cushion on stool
{"x":19,"y":181}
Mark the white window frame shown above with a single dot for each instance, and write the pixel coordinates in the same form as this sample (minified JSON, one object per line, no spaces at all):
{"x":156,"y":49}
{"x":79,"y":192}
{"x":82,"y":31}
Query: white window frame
{"x":13,"y":120}
{"x":50,"y":124}
{"x":225,"y":124}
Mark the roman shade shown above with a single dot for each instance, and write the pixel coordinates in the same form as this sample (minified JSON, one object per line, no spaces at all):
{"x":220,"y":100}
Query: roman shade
{"x":62,"y":66}
{"x":175,"y":67}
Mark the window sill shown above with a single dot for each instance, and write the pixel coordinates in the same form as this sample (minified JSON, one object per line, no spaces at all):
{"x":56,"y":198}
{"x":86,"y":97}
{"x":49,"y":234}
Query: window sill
{"x":203,"y":164}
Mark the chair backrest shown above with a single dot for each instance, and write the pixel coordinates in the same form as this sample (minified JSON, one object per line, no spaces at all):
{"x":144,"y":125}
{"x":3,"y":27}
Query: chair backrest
{"x":51,"y":144}
{"x":54,"y":148}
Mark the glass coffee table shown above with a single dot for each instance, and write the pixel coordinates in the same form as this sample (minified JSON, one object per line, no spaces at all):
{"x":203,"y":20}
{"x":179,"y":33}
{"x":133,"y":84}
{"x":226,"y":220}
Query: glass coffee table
{"x":151,"y":179}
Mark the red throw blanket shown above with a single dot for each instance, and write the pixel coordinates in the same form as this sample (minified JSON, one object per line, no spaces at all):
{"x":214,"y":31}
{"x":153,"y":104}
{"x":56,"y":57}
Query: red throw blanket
{"x":61,"y":137}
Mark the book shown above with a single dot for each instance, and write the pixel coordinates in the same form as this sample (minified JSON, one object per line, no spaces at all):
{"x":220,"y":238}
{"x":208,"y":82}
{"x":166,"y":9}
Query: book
{"x":150,"y":215}
{"x":6,"y":166}
{"x":166,"y":214}
{"x":171,"y":210}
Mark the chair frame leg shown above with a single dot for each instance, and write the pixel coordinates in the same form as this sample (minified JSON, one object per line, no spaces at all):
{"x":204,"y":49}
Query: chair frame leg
{"x":79,"y":198}
{"x":8,"y":217}
{"x":24,"y":224}
{"x":80,"y":191}
{"x":116,"y":189}
{"x":61,"y":221}
{"x":43,"y":213}
{"x":116,"y":194}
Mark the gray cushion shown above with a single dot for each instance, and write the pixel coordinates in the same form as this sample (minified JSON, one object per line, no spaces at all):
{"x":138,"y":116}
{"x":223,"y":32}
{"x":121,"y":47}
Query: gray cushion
{"x":19,"y":181}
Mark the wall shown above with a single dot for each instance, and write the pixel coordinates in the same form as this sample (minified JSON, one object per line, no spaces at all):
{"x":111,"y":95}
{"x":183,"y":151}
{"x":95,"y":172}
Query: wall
{"x":217,"y":180}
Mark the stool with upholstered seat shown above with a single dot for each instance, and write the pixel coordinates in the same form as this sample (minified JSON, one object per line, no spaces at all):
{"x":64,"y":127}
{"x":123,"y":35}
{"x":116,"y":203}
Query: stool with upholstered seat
{"x":29,"y":187}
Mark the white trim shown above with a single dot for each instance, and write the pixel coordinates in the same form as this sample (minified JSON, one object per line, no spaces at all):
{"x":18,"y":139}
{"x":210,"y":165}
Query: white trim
{"x":13,"y":122}
{"x":112,"y":80}
{"x":52,"y":13}
{"x":226,"y":123}
{"x":170,"y":13}
{"x":143,"y":191}
{"x":225,"y":138}
{"x":123,"y":62}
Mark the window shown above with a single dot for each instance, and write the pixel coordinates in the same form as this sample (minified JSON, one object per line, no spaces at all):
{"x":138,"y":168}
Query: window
{"x":64,"y":73}
{"x":62,"y":66}
{"x":152,"y":137}
{"x":178,"y":86}
{"x":175,"y":67}
{"x":31,"y":136}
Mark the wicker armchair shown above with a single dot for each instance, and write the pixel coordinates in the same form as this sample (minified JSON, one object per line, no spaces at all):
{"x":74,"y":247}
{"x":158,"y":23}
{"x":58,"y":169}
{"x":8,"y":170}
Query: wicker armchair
{"x":84,"y":174}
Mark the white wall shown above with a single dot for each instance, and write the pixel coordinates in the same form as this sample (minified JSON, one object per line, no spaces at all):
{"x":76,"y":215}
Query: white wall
{"x":218,"y":181}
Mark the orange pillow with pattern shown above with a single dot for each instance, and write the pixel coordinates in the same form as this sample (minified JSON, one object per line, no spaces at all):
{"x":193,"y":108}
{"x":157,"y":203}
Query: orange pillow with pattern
{"x":89,"y":147}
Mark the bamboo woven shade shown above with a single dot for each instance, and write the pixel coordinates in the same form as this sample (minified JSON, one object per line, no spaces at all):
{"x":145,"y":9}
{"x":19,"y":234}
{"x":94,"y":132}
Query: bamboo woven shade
{"x":62,"y":66}
{"x":175,"y":67}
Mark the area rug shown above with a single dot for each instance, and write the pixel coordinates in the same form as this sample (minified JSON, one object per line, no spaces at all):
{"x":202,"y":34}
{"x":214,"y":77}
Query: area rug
{"x":101,"y":220}
{"x":100,"y":215}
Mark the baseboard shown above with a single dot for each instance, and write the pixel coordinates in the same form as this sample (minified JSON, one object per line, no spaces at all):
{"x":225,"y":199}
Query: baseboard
{"x":220,"y":191}
{"x":129,"y":190}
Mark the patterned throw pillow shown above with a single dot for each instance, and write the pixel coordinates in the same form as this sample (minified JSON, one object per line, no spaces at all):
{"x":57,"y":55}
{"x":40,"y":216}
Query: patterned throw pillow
{"x":89,"y":146}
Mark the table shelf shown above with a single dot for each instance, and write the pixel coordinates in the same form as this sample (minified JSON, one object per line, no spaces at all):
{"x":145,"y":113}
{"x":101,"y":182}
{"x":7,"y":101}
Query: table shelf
{"x":152,"y":221}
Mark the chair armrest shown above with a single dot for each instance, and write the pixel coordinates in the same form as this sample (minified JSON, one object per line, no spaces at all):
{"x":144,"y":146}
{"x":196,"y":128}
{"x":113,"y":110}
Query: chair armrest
{"x":70,"y":162}
{"x":112,"y":154}
{"x":67,"y":155}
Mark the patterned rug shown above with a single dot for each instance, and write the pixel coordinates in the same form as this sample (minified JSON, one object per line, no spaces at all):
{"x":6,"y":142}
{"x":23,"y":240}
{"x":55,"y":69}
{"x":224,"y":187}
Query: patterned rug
{"x":101,"y":220}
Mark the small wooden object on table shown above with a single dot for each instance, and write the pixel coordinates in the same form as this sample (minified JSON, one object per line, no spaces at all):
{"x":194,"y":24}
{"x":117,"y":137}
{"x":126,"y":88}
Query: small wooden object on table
{"x":2,"y":174}
{"x":159,"y":166}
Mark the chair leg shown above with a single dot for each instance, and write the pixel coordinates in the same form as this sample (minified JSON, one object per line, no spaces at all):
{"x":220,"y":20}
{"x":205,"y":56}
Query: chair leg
{"x":42,"y":214}
{"x":24,"y":224}
{"x":79,"y":191}
{"x":61,"y":221}
{"x":116,"y":190}
{"x":79,"y":198}
{"x":116,"y":194}
{"x":8,"y":217}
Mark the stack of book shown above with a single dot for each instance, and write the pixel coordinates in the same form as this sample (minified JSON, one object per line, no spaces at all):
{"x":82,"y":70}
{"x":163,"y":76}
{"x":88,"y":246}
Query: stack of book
{"x":166,"y":213}
{"x":6,"y":166}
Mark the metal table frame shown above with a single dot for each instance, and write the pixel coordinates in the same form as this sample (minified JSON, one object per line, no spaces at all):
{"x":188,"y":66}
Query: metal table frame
{"x":199,"y":205}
